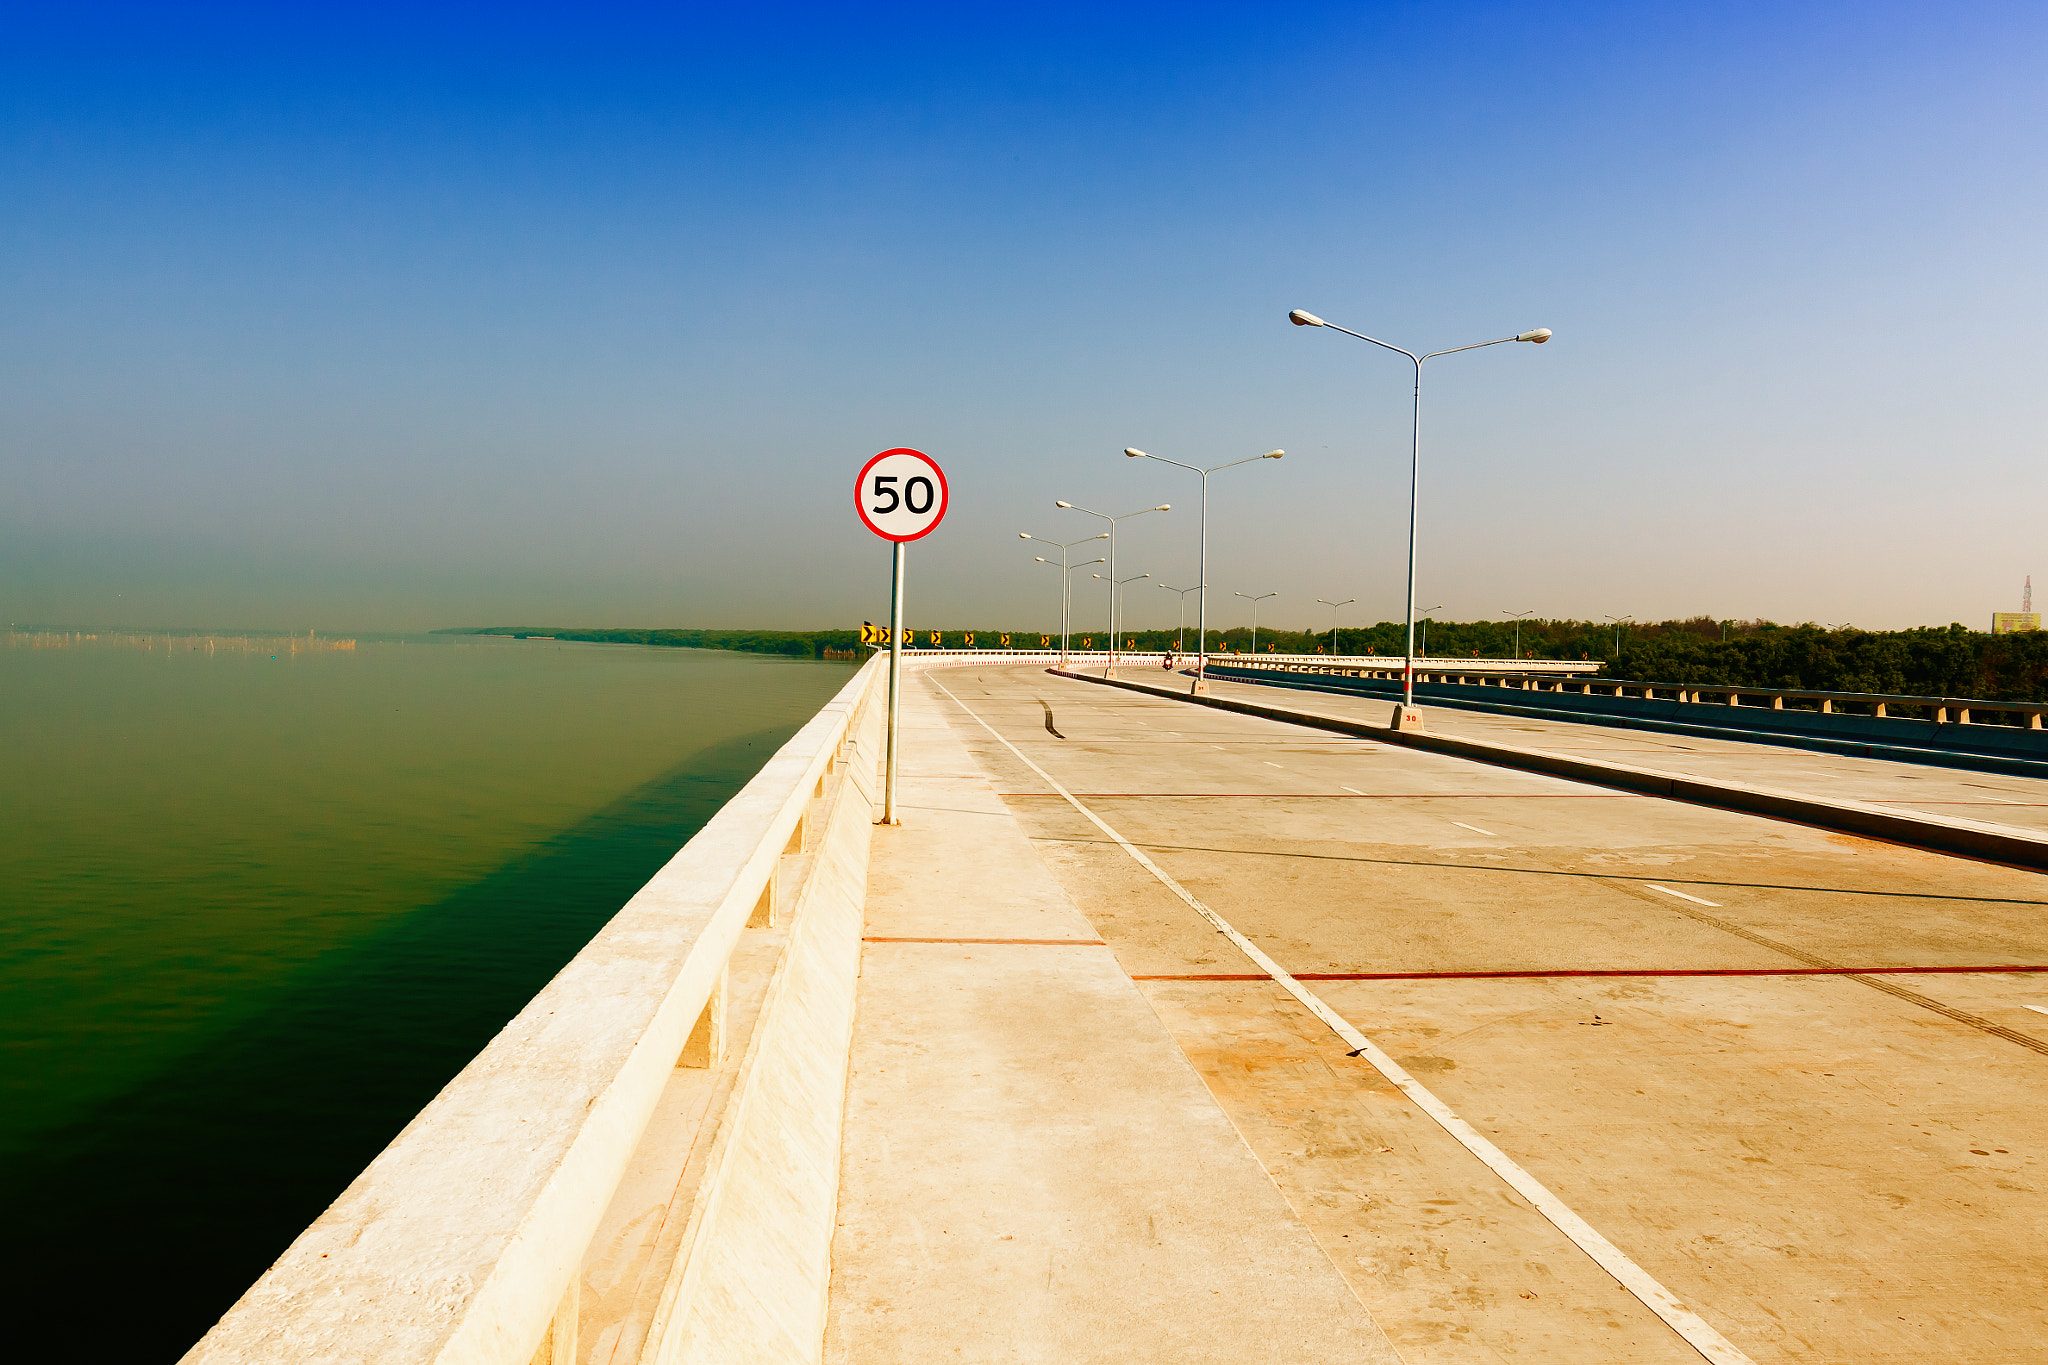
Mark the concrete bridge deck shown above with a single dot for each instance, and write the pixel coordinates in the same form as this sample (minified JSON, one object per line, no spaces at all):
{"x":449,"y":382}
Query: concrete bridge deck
{"x":1111,"y":1134}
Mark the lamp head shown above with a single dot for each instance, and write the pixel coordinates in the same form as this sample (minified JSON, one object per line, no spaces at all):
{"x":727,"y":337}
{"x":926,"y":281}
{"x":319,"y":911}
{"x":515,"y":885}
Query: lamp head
{"x":1025,"y":535}
{"x":1301,"y":317}
{"x":1134,"y":452}
{"x":1539,"y":336}
{"x":1272,"y":455}
{"x":1164,"y":507}
{"x":1042,"y":559}
{"x":1063,"y":504}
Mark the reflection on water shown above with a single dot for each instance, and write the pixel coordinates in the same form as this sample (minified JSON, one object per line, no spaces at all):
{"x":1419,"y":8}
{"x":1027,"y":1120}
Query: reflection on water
{"x":255,"y":911}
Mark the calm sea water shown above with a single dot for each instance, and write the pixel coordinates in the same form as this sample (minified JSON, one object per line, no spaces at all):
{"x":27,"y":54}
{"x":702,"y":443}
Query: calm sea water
{"x":259,"y":901}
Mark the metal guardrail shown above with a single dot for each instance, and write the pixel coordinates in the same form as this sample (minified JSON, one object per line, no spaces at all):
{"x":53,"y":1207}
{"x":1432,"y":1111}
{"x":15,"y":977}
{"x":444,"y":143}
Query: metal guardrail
{"x":1939,"y":710}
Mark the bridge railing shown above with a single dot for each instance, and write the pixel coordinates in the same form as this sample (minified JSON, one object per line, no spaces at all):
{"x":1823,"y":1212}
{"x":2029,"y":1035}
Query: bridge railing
{"x":466,"y":1239}
{"x":1936,"y":710}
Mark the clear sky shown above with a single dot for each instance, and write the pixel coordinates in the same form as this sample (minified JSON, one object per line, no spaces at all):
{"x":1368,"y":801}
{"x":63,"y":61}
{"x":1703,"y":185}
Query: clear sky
{"x":394,"y":317}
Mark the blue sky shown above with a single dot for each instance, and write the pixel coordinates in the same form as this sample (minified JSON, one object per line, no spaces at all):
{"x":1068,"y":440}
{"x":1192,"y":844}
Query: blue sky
{"x":400,"y":318}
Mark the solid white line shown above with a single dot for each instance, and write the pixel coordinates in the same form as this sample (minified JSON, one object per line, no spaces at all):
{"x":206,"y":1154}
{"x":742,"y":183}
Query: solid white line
{"x":2039,"y":1009}
{"x":1475,"y":829}
{"x":1698,"y":1333}
{"x":1681,"y":895}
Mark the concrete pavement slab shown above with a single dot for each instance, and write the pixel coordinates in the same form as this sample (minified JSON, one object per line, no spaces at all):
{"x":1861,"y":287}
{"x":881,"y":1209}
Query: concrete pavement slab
{"x":1033,"y":1171}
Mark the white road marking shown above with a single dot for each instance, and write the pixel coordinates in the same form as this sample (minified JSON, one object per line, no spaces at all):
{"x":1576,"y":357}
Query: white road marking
{"x":1697,"y":1331}
{"x":1353,"y":790}
{"x":1271,"y":764}
{"x":2039,"y":1009}
{"x":1681,"y":895}
{"x":1475,"y":829}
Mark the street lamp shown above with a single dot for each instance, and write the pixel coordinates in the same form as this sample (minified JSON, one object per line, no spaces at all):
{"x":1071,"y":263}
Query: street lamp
{"x":1180,"y":644}
{"x":1202,"y":570}
{"x":1066,"y":590}
{"x":1075,"y":507}
{"x":1333,"y":606}
{"x":1425,"y":627}
{"x":1255,"y":616}
{"x":1518,"y":615}
{"x":1406,"y":715}
{"x":1617,"y":631}
{"x":1116,"y":602}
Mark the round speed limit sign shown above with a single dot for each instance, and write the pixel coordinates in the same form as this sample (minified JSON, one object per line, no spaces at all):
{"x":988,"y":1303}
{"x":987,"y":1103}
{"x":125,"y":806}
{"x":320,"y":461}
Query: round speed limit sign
{"x":901,"y":494}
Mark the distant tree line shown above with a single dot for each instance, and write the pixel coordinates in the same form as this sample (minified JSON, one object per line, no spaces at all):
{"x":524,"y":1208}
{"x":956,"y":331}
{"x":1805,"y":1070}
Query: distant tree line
{"x":1951,"y":661}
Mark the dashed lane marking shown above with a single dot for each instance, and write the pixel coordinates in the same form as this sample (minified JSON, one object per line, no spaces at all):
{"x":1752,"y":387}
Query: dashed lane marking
{"x":1680,"y":894}
{"x":1475,"y":829}
{"x":1697,"y":1331}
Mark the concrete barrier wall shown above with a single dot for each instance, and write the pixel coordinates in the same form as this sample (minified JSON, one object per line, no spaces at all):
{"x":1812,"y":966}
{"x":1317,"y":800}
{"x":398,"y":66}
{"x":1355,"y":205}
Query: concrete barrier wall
{"x":461,"y":1241}
{"x":751,"y":1280}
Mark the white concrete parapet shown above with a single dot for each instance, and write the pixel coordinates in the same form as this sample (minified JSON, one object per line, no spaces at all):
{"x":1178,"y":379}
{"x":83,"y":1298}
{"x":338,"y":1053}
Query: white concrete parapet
{"x":464,"y":1242}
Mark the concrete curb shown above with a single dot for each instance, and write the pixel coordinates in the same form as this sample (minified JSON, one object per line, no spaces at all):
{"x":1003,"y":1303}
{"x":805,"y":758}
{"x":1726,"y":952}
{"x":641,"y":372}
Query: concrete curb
{"x":1971,"y":838}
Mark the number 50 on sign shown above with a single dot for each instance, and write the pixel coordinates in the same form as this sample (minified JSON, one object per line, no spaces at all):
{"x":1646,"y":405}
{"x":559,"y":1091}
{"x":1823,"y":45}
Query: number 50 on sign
{"x":901,"y":495}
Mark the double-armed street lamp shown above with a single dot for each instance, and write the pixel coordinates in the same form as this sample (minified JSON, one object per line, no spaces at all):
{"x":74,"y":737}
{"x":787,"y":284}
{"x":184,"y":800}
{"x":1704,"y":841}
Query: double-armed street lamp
{"x":1066,"y":582}
{"x":1255,"y":615}
{"x":1116,"y":588}
{"x":1406,"y":716}
{"x":1180,"y":630}
{"x":1334,"y":608}
{"x":1617,"y":631}
{"x":1076,"y":507}
{"x":1425,"y":627}
{"x":1518,"y":615}
{"x":1202,"y":569}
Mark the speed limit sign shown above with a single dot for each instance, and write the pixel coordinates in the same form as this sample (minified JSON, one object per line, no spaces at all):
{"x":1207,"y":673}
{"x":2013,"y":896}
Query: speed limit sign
{"x":901,"y":494}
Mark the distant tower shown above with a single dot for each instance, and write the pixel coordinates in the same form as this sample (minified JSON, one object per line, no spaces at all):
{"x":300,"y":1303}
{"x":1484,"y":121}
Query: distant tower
{"x":2027,"y":595}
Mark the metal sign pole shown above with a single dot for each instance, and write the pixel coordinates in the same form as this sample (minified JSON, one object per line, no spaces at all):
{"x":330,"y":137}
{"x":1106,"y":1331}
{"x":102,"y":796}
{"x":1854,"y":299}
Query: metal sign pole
{"x":900,"y":495}
{"x":895,"y":675}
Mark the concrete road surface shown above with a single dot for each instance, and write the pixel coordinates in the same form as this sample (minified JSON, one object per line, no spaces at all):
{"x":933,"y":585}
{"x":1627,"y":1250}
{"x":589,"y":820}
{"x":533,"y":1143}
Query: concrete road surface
{"x":1825,"y":1166}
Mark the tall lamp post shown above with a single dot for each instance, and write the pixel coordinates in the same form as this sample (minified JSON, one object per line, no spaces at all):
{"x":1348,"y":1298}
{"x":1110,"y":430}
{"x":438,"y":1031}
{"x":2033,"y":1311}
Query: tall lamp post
{"x":1076,"y":507}
{"x":1425,"y":627}
{"x":1116,"y":588}
{"x":1202,"y":571}
{"x":1334,"y":607}
{"x":1407,"y":716}
{"x":1066,"y":590}
{"x":1255,"y":616}
{"x":1617,"y":632}
{"x":1518,"y":615}
{"x":1180,"y":645}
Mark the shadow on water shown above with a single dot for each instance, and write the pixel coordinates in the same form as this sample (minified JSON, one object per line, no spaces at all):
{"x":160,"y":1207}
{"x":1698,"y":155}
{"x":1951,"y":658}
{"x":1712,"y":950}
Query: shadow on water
{"x":136,"y":1227}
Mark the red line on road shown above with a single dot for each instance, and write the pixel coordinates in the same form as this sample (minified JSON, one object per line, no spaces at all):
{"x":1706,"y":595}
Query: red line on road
{"x":1385,"y":796}
{"x":1619,"y":971}
{"x":1042,"y":942}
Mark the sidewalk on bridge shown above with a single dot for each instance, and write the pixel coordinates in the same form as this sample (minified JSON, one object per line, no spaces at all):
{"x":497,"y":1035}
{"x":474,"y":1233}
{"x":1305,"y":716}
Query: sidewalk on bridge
{"x":1986,"y":797}
{"x":1032,"y":1171}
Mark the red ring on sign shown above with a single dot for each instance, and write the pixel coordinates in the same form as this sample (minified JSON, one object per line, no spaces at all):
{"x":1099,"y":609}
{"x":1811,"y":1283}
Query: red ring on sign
{"x":860,"y":503}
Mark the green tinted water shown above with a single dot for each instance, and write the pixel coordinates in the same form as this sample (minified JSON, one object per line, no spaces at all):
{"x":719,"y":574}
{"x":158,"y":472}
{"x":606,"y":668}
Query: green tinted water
{"x":255,"y":910}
